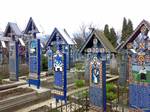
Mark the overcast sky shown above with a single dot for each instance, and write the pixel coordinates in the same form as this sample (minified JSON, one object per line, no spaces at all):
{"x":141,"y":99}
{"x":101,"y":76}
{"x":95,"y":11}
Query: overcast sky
{"x":70,"y":14}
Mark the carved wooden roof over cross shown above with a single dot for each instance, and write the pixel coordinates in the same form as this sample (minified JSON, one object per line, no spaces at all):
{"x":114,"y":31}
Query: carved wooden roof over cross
{"x":133,"y":36}
{"x":31,"y":27}
{"x":101,"y":38}
{"x":63,"y":34}
{"x":12,"y":29}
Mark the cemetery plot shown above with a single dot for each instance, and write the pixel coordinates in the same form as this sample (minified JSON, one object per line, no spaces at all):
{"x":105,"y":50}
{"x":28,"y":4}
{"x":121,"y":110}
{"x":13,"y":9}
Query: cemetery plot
{"x":10,"y":85}
{"x":14,"y":92}
{"x":44,"y":108}
{"x":20,"y":96}
{"x":15,"y":96}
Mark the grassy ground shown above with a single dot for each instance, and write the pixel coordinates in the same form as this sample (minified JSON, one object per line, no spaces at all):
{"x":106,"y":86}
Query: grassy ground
{"x":137,"y":76}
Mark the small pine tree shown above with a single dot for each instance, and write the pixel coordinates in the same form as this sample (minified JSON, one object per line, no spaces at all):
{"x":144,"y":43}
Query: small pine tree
{"x":110,"y":34}
{"x":106,"y":32}
{"x":130,"y":28}
{"x":113,"y":36}
{"x":124,"y":29}
{"x":127,"y":29}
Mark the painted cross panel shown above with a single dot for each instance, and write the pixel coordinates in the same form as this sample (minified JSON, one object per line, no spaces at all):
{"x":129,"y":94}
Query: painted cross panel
{"x":34,"y":62}
{"x":96,"y":83}
{"x":139,"y":72}
{"x":60,"y":76}
{"x":33,"y":59}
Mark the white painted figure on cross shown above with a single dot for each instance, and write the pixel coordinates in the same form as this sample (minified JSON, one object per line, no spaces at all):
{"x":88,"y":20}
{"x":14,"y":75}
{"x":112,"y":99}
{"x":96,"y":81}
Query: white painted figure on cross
{"x":95,"y":71}
{"x":58,"y":64}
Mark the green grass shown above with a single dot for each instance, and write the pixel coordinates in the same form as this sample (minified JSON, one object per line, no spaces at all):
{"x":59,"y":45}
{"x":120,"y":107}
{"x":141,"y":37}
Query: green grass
{"x":137,"y":76}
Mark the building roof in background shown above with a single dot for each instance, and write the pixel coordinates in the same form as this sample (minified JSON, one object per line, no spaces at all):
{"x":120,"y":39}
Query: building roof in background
{"x":101,"y":37}
{"x":12,"y":28}
{"x":135,"y":33}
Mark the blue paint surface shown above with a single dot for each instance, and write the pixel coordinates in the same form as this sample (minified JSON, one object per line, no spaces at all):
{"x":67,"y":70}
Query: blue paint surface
{"x":58,"y":78}
{"x":104,"y":84}
{"x":98,"y":92}
{"x":50,"y":59}
{"x":139,"y":96}
{"x":50,"y":64}
{"x":65,"y":78}
{"x":96,"y":96}
{"x":34,"y":62}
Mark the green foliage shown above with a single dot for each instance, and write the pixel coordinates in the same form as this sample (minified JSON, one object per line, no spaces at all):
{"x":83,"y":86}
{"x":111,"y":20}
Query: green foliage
{"x":79,"y":66}
{"x":110,"y":34}
{"x":44,"y":63}
{"x":124,"y":29}
{"x":127,"y":29}
{"x":106,"y":32}
{"x":130,"y":27}
{"x":137,"y":77}
{"x":111,"y":96}
{"x":79,"y":83}
{"x":53,"y":48}
{"x":82,"y":94}
{"x":111,"y":91}
{"x":113,"y":37}
{"x":110,"y":87}
{"x":85,"y":94}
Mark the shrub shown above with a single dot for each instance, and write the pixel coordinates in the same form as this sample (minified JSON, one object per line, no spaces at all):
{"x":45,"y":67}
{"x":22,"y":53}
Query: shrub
{"x":79,"y":83}
{"x":111,"y":96}
{"x":111,"y":91}
{"x":110,"y":87}
{"x":79,"y":66}
{"x":85,"y":94}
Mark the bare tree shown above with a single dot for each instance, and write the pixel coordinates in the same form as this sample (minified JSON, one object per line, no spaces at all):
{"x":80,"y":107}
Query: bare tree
{"x":83,"y":33}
